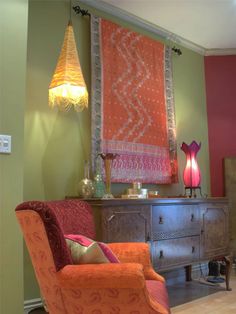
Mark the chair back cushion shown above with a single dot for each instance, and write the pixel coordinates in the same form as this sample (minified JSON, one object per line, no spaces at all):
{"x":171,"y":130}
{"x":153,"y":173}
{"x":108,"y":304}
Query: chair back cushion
{"x":59,"y":218}
{"x":74,"y":216}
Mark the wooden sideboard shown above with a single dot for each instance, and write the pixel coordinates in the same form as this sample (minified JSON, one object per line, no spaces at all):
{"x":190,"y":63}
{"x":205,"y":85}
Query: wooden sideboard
{"x":181,"y":231}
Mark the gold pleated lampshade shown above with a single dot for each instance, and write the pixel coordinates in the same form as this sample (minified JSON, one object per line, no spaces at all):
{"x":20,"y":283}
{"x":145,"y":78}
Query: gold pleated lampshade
{"x":67,"y":87}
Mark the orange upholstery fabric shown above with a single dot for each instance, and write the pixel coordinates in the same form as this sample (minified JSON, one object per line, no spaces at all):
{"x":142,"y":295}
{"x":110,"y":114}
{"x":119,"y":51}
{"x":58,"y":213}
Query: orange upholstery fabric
{"x":42,"y":259}
{"x":111,"y":288}
{"x":109,"y":276}
{"x":156,"y":291}
{"x":111,"y":301}
{"x":136,"y":253}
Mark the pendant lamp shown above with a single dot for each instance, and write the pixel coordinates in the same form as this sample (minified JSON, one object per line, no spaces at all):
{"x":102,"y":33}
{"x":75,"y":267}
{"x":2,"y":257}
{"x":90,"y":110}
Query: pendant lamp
{"x":68,"y":88}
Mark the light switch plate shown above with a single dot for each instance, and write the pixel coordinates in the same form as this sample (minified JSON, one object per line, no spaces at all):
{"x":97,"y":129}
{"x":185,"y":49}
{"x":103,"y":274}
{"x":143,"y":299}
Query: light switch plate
{"x":5,"y":144}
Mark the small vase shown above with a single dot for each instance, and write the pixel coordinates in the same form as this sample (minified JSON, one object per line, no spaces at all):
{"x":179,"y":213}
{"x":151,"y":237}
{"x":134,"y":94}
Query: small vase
{"x":86,"y":185}
{"x":98,"y":182}
{"x":108,"y":159}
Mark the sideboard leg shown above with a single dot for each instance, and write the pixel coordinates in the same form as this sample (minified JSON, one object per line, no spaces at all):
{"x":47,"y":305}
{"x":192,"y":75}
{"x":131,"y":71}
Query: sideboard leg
{"x":188,"y":273}
{"x":228,"y":265}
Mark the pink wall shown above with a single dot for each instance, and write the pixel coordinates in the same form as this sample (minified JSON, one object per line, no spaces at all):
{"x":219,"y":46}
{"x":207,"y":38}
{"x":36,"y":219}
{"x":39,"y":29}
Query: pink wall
{"x":220,"y":73}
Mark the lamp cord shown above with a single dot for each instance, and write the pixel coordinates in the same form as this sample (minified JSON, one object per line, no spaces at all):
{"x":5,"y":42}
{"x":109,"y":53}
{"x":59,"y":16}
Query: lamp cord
{"x":70,"y":11}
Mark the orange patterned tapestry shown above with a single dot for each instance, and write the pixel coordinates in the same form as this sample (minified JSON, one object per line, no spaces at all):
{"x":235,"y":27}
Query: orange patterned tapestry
{"x":132,"y":104}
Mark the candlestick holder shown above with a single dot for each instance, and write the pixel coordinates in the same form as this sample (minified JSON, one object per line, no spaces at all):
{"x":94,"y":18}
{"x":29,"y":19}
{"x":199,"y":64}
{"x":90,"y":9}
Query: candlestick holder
{"x":108,"y":159}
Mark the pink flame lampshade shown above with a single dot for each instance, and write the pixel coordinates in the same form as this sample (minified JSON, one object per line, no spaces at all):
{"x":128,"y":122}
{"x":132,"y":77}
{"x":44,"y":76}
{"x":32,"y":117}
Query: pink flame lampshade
{"x":192,"y":174}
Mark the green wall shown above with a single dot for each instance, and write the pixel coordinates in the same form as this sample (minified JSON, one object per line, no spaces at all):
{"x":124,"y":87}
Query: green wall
{"x":56,"y":143}
{"x":13,"y":44}
{"x":191,"y":115}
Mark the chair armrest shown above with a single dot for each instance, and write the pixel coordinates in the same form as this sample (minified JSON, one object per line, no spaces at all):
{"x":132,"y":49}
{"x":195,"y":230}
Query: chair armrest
{"x":102,"y":276}
{"x":104,"y":283}
{"x":136,"y":252}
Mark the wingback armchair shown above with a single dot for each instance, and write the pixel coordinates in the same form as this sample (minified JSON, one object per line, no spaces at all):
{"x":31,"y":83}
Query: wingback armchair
{"x":128,"y":287}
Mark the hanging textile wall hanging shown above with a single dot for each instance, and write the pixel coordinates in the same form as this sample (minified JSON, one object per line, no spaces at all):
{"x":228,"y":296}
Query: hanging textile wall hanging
{"x":132,"y":104}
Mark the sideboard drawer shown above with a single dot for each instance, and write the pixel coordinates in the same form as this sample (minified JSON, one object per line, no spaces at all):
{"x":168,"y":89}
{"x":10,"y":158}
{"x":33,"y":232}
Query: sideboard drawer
{"x":169,"y":222}
{"x":175,"y":252}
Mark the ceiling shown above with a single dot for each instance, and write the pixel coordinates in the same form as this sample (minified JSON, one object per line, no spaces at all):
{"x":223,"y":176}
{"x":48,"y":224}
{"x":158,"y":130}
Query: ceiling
{"x":208,"y":24}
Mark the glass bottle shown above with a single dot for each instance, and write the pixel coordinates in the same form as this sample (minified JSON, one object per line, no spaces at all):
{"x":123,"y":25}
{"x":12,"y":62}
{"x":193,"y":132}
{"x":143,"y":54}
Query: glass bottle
{"x":98,"y":182}
{"x":86,"y":185}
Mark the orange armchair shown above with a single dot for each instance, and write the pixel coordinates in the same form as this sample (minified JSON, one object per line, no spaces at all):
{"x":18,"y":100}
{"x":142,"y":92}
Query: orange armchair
{"x":128,"y":287}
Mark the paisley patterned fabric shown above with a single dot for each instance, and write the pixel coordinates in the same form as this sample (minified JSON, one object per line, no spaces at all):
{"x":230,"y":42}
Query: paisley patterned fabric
{"x":111,"y":288}
{"x":136,"y":253}
{"x":37,"y":242}
{"x":126,"y":290}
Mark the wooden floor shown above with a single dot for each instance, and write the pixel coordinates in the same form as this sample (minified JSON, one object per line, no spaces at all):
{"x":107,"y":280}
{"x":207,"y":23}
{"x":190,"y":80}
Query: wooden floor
{"x":197,"y":297}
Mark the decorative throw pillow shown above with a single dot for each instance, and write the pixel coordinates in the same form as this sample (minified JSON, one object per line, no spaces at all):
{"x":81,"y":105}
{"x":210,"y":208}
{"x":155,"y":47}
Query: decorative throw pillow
{"x":86,"y":251}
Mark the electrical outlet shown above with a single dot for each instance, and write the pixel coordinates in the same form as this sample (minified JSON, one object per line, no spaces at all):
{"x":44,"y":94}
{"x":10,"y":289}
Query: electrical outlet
{"x":5,"y":144}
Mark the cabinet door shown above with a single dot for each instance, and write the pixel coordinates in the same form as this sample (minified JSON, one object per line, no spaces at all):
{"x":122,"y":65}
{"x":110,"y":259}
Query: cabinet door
{"x":126,"y":224}
{"x":214,"y":230}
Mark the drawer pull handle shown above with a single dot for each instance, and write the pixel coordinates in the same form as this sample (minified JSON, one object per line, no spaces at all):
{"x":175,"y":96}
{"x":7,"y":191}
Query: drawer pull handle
{"x":161,"y":254}
{"x":193,"y":249}
{"x":161,"y":220}
{"x":192,"y":217}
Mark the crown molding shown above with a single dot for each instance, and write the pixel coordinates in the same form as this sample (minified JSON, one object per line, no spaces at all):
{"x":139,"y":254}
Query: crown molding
{"x":220,"y":52}
{"x":153,"y":29}
{"x":136,"y":21}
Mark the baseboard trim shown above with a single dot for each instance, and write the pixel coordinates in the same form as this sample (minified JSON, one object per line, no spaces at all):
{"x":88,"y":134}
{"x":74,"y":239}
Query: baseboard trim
{"x":31,"y":304}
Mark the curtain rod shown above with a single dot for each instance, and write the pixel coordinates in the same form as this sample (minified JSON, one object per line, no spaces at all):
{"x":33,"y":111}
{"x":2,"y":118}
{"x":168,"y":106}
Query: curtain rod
{"x":79,"y":10}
